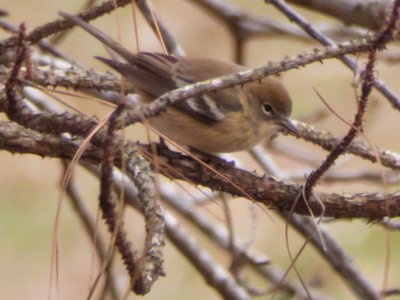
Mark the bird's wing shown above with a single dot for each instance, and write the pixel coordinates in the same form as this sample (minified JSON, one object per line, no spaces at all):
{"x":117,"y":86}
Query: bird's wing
{"x":156,"y":74}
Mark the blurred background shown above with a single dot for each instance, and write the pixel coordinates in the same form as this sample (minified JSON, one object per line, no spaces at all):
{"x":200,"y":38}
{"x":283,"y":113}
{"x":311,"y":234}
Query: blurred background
{"x":29,"y":185}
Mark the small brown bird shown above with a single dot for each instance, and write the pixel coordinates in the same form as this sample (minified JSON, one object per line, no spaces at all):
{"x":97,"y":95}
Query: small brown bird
{"x":226,"y":120}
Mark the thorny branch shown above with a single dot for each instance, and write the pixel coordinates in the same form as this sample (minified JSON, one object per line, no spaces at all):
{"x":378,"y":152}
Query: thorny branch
{"x":112,"y":210}
{"x":367,"y":84}
{"x":267,"y":190}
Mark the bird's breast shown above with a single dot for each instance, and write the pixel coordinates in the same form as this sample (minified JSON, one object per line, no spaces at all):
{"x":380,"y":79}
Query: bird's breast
{"x":234,"y":133}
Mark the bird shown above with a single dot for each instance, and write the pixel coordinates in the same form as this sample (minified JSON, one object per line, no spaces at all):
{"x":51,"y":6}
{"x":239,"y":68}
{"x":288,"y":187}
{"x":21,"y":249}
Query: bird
{"x":222,"y":121}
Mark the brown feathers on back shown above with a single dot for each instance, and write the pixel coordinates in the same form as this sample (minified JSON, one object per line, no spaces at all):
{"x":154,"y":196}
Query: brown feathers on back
{"x":155,"y":74}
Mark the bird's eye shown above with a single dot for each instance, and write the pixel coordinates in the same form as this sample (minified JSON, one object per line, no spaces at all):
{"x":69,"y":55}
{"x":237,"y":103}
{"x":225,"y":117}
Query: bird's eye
{"x":267,"y":109}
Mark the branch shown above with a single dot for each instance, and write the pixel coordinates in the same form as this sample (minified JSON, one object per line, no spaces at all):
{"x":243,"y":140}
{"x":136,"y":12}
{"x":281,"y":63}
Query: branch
{"x":266,"y":190}
{"x":317,"y":35}
{"x":60,"y":25}
{"x":245,"y":24}
{"x":371,"y":14}
{"x":335,"y":256}
{"x":328,"y":142}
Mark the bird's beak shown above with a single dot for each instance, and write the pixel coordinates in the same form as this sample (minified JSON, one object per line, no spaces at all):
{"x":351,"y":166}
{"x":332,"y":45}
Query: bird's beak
{"x":288,"y":125}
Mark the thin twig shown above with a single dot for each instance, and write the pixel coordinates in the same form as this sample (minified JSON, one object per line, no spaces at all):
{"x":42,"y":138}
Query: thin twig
{"x":336,"y":257}
{"x":60,"y":25}
{"x":368,"y":78}
{"x":92,"y":232}
{"x":170,"y":42}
